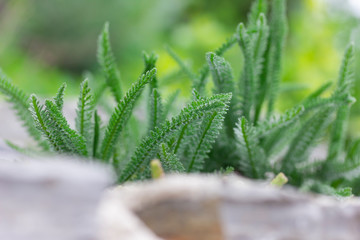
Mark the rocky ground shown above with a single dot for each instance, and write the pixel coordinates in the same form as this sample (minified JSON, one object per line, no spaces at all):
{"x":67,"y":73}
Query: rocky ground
{"x":68,"y":199}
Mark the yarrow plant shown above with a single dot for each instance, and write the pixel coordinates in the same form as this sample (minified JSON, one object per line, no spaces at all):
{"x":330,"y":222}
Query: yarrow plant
{"x":235,"y":127}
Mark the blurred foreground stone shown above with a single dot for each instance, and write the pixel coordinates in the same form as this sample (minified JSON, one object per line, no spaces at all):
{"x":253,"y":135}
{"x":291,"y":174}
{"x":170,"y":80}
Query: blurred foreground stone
{"x":211,"y":208}
{"x":59,"y":199}
{"x":49,"y":199}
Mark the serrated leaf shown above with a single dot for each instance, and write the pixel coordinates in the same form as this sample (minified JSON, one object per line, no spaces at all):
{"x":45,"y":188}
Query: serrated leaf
{"x":84,"y":113}
{"x":258,"y":7}
{"x":149,"y":145}
{"x":253,"y":162}
{"x":156,"y":112}
{"x":248,"y":85}
{"x":169,"y":160}
{"x":59,"y":98}
{"x":106,"y":60}
{"x":121,"y":115}
{"x":20,"y":103}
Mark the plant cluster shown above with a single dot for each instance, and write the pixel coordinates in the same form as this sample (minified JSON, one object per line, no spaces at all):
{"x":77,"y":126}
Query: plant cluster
{"x":234,"y":127}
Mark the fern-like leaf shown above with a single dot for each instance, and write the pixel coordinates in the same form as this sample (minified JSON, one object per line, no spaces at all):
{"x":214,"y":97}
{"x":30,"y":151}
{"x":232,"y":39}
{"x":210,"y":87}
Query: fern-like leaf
{"x":269,"y":126}
{"x":305,"y":139}
{"x":96,"y":134}
{"x":59,"y":98}
{"x":149,"y":146}
{"x":270,"y":76}
{"x":334,"y":100}
{"x":55,"y":128}
{"x":224,"y":83}
{"x":248,"y":75}
{"x":59,"y":128}
{"x":106,"y":60}
{"x":84,"y":113}
{"x":253,"y":162}
{"x":204,"y":70}
{"x":221,"y":73}
{"x":149,"y":62}
{"x":257,"y":8}
{"x":17,"y":148}
{"x":337,"y":137}
{"x":346,"y":79}
{"x":169,"y":160}
{"x":121,"y":115}
{"x":348,"y":169}
{"x":203,"y":139}
{"x":20,"y":103}
{"x":277,"y":141}
{"x":318,"y":92}
{"x":41,"y":121}
{"x":261,"y":40}
{"x":278,"y":30}
{"x":156,"y":113}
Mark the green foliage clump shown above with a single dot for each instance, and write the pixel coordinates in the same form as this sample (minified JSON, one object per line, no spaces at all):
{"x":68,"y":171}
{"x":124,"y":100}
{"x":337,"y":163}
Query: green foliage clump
{"x":236,"y":127}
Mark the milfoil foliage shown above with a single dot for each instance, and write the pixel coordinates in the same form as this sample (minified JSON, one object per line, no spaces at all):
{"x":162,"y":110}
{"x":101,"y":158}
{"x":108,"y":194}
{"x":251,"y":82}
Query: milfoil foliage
{"x":235,"y":127}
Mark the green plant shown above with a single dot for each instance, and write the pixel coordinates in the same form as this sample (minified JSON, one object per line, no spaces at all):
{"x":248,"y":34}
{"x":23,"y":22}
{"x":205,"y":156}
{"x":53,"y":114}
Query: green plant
{"x":235,"y":128}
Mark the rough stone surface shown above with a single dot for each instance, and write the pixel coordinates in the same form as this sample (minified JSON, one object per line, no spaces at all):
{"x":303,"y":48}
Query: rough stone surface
{"x":53,"y":199}
{"x":210,"y":207}
{"x":118,"y":222}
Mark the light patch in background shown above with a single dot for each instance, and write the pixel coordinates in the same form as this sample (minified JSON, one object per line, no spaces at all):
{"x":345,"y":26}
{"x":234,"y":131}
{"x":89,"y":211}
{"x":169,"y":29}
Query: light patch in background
{"x":351,"y":6}
{"x":355,"y":7}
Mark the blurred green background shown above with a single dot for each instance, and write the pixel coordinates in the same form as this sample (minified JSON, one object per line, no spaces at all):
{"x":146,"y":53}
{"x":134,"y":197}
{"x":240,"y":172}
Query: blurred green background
{"x":44,"y":43}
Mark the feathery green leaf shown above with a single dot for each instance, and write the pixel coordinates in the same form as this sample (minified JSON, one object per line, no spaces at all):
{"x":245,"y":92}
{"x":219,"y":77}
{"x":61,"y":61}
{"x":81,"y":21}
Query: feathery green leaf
{"x":248,"y":75}
{"x":41,"y":121}
{"x":121,"y":115}
{"x":306,"y":138}
{"x":96,"y":133}
{"x":20,"y":103}
{"x":169,"y":160}
{"x":278,"y":31}
{"x":257,"y":8}
{"x":221,"y":73}
{"x":204,"y":70}
{"x":156,"y":112}
{"x":148,"y":147}
{"x":59,"y":98}
{"x":269,"y":126}
{"x":224,"y":83}
{"x":59,"y":128}
{"x":106,"y":60}
{"x":318,"y":92}
{"x":84,"y":113}
{"x":339,"y":128}
{"x":253,"y":161}
{"x":260,"y":44}
{"x":149,"y":62}
{"x":203,"y":139}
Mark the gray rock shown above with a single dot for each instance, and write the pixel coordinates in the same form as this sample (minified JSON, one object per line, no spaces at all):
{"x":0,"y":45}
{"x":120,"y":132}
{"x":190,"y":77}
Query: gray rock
{"x":117,"y":222}
{"x":210,"y":207}
{"x":53,"y":199}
